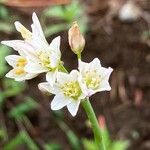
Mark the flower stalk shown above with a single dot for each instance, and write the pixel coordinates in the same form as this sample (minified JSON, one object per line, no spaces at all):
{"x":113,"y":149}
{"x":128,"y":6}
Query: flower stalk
{"x":92,"y":117}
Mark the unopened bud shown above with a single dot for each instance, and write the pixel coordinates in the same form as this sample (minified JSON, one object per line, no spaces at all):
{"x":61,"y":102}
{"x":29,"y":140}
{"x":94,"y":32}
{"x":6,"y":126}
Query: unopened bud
{"x":102,"y":122}
{"x":76,"y":39}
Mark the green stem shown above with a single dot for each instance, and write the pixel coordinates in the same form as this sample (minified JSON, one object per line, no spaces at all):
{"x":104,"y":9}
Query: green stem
{"x":79,"y":55}
{"x":63,"y":69}
{"x":95,"y":126}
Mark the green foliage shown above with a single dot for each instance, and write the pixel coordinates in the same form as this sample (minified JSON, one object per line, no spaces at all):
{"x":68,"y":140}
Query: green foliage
{"x":52,"y":29}
{"x":14,"y":143}
{"x":5,"y":25}
{"x":12,"y":88}
{"x":4,"y":51}
{"x":20,"y":110}
{"x":119,"y":145}
{"x":89,"y":144}
{"x":29,"y":142}
{"x":20,"y":139}
{"x":72,"y":137}
{"x":3,"y":134}
{"x":9,"y":87}
{"x":3,"y":12}
{"x":67,"y":14}
{"x":106,"y":141}
{"x":52,"y":146}
{"x":146,"y":34}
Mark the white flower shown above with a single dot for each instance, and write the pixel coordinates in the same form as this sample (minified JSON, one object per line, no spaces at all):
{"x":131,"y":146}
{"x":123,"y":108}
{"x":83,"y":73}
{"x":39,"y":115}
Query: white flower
{"x":41,"y":56}
{"x":18,"y":72}
{"x":45,"y":60}
{"x":94,"y":77}
{"x":67,"y":91}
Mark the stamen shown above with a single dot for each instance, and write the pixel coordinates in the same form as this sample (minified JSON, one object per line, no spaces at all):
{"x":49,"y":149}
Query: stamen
{"x":92,"y":79}
{"x":21,"y":62}
{"x":19,"y":71}
{"x":44,"y":59}
{"x":71,"y":89}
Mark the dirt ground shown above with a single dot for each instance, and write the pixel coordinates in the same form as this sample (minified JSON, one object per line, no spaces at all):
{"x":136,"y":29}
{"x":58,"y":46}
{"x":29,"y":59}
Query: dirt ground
{"x":127,"y":107}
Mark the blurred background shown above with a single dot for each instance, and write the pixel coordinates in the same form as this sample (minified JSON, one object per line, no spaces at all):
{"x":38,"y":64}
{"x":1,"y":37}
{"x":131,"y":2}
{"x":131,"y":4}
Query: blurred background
{"x":118,"y":33}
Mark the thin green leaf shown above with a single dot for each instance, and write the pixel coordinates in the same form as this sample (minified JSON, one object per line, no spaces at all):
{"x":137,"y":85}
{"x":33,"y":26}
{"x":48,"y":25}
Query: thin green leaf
{"x":28,"y":141}
{"x":20,"y":110}
{"x":12,"y":88}
{"x":4,"y":51}
{"x":14,"y":143}
{"x":52,"y":146}
{"x":119,"y":145}
{"x":53,"y":29}
{"x":56,"y":11}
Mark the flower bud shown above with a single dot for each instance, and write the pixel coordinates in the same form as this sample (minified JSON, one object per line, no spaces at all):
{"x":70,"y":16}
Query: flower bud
{"x":76,"y":39}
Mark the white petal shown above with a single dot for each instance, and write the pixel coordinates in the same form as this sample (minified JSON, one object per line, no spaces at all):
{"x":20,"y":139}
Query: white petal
{"x":82,"y":85}
{"x":55,"y":46}
{"x":59,"y":102}
{"x":37,"y":41}
{"x":37,"y":29}
{"x":90,"y":92}
{"x":32,"y":58}
{"x":104,"y":84}
{"x":54,"y":60}
{"x":62,"y":77}
{"x":82,"y":65}
{"x":20,"y":27}
{"x":19,"y":46}
{"x":30,"y":76}
{"x":95,"y":64}
{"x":11,"y":59}
{"x":105,"y":73}
{"x":74,"y":74}
{"x":45,"y":87}
{"x":34,"y":68}
{"x":65,"y":77}
{"x":12,"y":75}
{"x":73,"y":107}
{"x":51,"y":77}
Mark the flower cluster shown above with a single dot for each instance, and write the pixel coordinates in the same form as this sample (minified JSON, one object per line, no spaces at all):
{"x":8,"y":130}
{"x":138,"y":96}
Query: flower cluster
{"x":37,"y":56}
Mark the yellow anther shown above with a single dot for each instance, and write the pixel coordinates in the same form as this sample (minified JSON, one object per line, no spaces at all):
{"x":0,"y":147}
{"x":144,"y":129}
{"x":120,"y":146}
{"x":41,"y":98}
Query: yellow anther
{"x":19,"y":71}
{"x":21,"y":62}
{"x":92,"y":79}
{"x":71,"y":89}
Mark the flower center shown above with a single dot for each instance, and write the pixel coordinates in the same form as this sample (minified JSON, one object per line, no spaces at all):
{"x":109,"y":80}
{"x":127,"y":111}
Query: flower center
{"x":71,"y":89}
{"x":44,"y":59}
{"x":92,"y":79}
